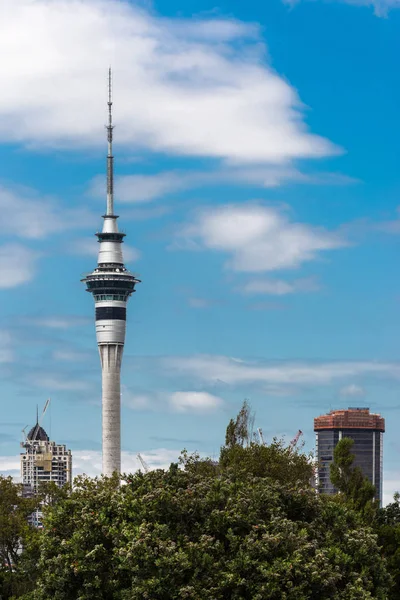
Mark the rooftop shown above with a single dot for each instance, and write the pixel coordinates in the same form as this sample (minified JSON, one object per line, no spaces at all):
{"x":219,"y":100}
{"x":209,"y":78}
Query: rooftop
{"x":37,"y":434}
{"x":351,"y":418}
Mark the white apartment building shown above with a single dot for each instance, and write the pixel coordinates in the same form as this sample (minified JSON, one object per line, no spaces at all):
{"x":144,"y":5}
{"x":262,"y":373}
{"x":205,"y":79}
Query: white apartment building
{"x":41,"y":461}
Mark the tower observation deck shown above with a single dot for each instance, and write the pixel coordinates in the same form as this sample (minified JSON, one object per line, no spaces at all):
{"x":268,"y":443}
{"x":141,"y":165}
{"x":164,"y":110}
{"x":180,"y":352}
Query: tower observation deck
{"x":111,"y":285}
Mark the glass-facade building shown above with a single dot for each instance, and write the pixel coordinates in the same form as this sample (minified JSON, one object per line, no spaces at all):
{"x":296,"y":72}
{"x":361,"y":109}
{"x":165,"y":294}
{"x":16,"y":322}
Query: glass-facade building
{"x":365,"y":429}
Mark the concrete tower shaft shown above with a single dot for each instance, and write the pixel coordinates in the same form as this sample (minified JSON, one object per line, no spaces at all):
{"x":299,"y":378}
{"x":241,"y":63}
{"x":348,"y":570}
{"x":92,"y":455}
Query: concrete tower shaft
{"x":111,"y":358}
{"x":111,"y":285}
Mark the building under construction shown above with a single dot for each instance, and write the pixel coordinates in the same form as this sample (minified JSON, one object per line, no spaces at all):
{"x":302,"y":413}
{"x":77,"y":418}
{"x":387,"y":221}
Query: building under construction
{"x":43,"y":461}
{"x":366,"y":429}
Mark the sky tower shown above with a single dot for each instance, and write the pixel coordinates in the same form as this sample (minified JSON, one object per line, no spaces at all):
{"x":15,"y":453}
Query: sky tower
{"x":111,"y":285}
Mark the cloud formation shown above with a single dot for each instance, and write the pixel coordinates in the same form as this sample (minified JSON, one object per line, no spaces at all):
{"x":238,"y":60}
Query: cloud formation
{"x":58,"y":321}
{"x":146,"y":188}
{"x":88,"y":462}
{"x":235,"y":371}
{"x":256,"y":238}
{"x":6,"y":347}
{"x":17,"y":265}
{"x":33,"y":217}
{"x":60,"y":383}
{"x":181,"y":402}
{"x":381,"y":7}
{"x":391,"y":485}
{"x":202,"y":402}
{"x":352,"y":391}
{"x":188,"y":87}
{"x":71,"y":356}
{"x":278,"y":287}
{"x":197,"y":302}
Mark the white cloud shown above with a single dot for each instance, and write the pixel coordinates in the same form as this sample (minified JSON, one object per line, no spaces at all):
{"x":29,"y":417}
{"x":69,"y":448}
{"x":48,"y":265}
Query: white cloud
{"x":381,"y":7}
{"x":149,"y":212}
{"x":391,"y":227}
{"x":59,"y":321}
{"x":194,"y":87}
{"x":193,"y":402}
{"x":278,"y":287}
{"x":198,"y":402}
{"x":391,"y":485}
{"x":10,"y":465}
{"x":6,"y":347}
{"x":200,"y":302}
{"x":17,"y":265}
{"x":352,"y":391}
{"x":267,"y":306}
{"x":70,"y":356}
{"x":138,"y":400}
{"x":33,"y":217}
{"x":90,"y":247}
{"x":234,"y":371}
{"x":145,"y":188}
{"x":59,"y":383}
{"x":89,"y":462}
{"x":84,"y":247}
{"x":142,"y":188}
{"x":257,"y":238}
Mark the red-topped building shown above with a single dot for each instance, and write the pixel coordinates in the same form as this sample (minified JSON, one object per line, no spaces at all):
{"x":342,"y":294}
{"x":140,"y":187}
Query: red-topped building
{"x":366,"y":429}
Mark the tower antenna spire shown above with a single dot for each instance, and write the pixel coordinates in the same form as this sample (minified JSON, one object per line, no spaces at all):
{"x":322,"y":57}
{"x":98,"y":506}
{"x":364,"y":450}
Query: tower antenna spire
{"x":110,"y":158}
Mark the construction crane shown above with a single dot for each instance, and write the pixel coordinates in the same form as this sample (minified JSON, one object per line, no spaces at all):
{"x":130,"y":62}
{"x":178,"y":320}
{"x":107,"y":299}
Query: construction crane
{"x":260,"y":435}
{"x":143,"y":463}
{"x":296,"y":438}
{"x":24,"y":433}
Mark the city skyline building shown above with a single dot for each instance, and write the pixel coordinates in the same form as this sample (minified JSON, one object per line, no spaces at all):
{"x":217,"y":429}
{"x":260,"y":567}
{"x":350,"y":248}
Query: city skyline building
{"x":111,"y":285}
{"x":43,"y":461}
{"x":366,"y":429}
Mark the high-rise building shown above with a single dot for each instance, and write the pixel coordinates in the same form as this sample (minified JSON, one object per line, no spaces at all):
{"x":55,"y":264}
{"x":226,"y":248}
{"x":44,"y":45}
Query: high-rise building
{"x":43,"y":461}
{"x":111,"y":285}
{"x":366,"y":429}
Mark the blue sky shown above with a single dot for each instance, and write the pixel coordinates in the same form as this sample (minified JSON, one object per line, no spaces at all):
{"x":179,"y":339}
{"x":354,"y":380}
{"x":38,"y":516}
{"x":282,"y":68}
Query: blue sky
{"x":257,"y":181}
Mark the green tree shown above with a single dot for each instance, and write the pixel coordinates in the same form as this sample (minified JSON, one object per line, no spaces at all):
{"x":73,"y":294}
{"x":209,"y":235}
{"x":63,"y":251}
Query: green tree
{"x":387,"y":527}
{"x":242,"y":455}
{"x":248,"y":527}
{"x":15,"y":533}
{"x":349,"y":480}
{"x":275,"y":461}
{"x":240,"y":431}
{"x":202,"y":532}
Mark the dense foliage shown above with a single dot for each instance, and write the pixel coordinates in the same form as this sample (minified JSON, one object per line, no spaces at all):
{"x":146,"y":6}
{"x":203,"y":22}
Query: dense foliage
{"x":181,"y":534}
{"x":247,"y":527}
{"x":14,"y":531}
{"x":358,"y":493}
{"x":357,"y":490}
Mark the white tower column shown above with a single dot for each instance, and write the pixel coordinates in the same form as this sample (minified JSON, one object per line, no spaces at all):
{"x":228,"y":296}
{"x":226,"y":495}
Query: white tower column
{"x":111,"y":285}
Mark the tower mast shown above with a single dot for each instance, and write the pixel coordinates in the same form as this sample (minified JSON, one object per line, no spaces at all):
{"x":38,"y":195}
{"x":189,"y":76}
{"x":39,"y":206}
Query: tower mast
{"x":111,"y":285}
{"x":110,"y":157}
